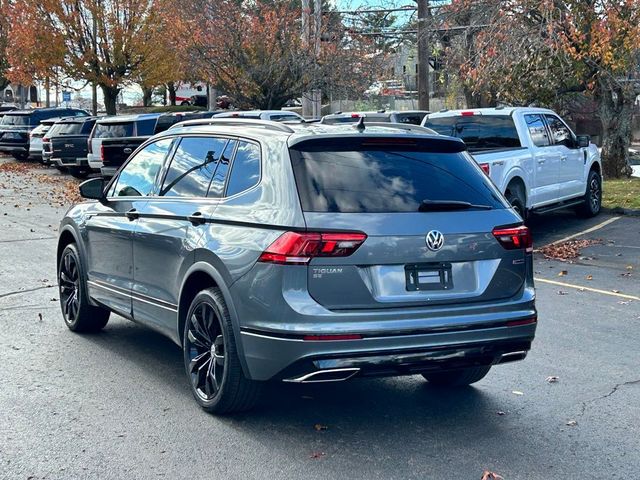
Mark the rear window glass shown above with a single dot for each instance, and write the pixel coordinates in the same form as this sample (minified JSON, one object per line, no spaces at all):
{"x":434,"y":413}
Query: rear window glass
{"x":478,"y":132}
{"x":65,"y":129}
{"x":336,"y":177}
{"x":18,"y":120}
{"x":113,"y":130}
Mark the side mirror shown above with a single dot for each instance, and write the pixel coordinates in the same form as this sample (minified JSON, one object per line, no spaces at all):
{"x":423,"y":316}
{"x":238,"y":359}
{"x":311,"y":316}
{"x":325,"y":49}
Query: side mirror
{"x":93,"y":189}
{"x":583,"y":141}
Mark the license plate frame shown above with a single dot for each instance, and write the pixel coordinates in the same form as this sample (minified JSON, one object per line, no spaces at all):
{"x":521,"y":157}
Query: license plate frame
{"x":428,"y":276}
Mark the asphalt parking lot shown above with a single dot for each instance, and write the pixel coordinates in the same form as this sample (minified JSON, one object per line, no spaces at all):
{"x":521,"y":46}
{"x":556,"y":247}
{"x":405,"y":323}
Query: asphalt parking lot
{"x":116,"y":405}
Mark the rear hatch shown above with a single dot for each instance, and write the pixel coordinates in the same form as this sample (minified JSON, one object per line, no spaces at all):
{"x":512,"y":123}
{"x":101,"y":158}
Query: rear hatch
{"x":15,"y":128}
{"x":428,"y":217}
{"x":67,"y":141}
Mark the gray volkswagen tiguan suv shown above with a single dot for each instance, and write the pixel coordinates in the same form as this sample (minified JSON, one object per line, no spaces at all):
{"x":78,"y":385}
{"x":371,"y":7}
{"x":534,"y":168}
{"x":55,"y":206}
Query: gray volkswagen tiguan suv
{"x":303,"y":253}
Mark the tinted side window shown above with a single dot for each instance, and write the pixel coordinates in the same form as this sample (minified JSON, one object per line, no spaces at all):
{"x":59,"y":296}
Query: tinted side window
{"x":145,"y":127}
{"x":537,"y":130}
{"x":139,"y":175}
{"x":560,"y":133}
{"x":217,"y":185}
{"x":245,"y":172}
{"x":193,"y":166}
{"x":412,"y":118}
{"x":479,"y":132}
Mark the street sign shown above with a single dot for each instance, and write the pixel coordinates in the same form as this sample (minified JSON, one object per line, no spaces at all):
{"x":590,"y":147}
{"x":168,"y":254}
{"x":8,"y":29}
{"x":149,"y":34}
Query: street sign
{"x":66,"y":96}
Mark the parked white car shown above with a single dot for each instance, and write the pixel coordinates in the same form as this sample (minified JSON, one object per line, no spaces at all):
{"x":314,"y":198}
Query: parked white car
{"x":531,"y":155}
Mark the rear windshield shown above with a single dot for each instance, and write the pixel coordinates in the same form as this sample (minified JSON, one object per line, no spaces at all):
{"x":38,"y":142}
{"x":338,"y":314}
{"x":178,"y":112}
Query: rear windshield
{"x":479,"y":132}
{"x":338,"y":176}
{"x":65,"y":129}
{"x":412,"y":118}
{"x":18,"y":120}
{"x":113,"y":130}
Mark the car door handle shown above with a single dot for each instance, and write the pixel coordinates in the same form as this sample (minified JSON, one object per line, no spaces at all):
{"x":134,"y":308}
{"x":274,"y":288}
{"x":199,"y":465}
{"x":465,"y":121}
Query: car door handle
{"x":563,"y":158}
{"x":127,"y":150}
{"x":196,"y":218}
{"x":541,"y":161}
{"x":132,"y":214}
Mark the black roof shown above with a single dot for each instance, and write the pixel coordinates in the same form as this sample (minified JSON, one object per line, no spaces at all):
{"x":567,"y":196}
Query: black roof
{"x":45,"y":110}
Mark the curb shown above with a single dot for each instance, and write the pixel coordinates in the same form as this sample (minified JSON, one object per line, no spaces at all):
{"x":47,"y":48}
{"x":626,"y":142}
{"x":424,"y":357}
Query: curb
{"x":621,"y":211}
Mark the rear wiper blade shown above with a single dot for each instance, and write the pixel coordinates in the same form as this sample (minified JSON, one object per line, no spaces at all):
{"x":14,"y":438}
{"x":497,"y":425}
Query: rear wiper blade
{"x":444,"y":205}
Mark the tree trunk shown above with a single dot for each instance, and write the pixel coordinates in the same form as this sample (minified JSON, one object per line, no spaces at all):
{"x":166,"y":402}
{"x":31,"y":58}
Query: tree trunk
{"x":171,"y":88}
{"x":110,"y":98}
{"x":146,"y":96}
{"x":616,"y":112}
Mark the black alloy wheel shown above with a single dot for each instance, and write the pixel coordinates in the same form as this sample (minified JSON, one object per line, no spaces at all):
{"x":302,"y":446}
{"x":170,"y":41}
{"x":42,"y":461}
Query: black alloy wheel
{"x":69,"y":284}
{"x":204,"y":346}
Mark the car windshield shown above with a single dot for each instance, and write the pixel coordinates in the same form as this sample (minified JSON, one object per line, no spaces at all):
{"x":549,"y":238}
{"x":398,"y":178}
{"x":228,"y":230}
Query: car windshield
{"x":479,"y":132}
{"x":342,"y":177}
{"x":113,"y":130}
{"x":16,"y":120}
{"x":65,"y":129}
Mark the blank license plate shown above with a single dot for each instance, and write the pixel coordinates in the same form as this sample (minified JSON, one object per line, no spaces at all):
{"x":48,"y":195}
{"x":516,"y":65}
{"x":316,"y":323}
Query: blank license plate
{"x":428,"y":276}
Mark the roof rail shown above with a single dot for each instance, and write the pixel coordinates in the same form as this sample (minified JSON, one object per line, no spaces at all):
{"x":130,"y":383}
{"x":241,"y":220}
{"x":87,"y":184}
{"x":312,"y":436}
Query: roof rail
{"x":236,"y":122}
{"x":409,"y":127}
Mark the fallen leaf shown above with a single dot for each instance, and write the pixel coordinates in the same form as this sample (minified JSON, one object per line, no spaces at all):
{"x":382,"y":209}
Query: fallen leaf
{"x":317,"y":455}
{"x":589,"y":277}
{"x":623,"y":302}
{"x":500,"y":412}
{"x":567,"y":251}
{"x":40,"y":316}
{"x":572,"y":423}
{"x":562,"y":273}
{"x":553,"y":379}
{"x":629,"y":267}
{"x":488,"y":475}
{"x":560,"y":292}
{"x":320,"y":427}
{"x":516,"y":392}
{"x":615,"y":291}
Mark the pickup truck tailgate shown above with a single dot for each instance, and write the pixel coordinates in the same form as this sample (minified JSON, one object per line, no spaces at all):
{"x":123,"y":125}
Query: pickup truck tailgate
{"x":116,"y":151}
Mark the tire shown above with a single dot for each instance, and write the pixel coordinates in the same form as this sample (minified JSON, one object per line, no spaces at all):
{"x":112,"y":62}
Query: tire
{"x":211,"y":359}
{"x":457,"y":378}
{"x":592,"y":201}
{"x":516,"y":199}
{"x":20,"y":156}
{"x":78,"y":314}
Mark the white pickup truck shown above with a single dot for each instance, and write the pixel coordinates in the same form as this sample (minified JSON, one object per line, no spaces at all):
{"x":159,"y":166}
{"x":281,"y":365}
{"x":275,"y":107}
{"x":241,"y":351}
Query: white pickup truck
{"x":530,"y":154}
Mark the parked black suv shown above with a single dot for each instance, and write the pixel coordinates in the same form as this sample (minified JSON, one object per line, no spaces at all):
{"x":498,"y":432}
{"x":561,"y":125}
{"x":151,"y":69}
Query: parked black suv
{"x":65,"y":144}
{"x":16,"y":125}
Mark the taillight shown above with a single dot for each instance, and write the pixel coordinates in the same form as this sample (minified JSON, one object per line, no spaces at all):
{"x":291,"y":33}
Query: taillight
{"x":485,"y":168}
{"x":294,"y":248}
{"x":45,"y":139}
{"x":514,"y":238}
{"x":355,"y":115}
{"x":89,"y":149}
{"x":102,"y":153}
{"x":467,"y":114}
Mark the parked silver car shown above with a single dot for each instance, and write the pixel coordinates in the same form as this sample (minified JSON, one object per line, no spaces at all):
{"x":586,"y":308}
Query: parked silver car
{"x":303,"y":253}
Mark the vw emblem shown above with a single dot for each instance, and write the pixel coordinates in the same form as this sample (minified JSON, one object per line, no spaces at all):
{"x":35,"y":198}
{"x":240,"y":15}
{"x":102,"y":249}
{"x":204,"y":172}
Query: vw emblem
{"x":435,"y":240}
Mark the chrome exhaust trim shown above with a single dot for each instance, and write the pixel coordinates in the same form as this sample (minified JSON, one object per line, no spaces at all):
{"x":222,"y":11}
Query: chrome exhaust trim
{"x":512,"y":356}
{"x":331,"y":375}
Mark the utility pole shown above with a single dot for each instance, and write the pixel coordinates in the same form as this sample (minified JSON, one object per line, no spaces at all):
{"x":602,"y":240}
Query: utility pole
{"x":312,"y":100}
{"x":307,"y":108}
{"x":423,"y":54}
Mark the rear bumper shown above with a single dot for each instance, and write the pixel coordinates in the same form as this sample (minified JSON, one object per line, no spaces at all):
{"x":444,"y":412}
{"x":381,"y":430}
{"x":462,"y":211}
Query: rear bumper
{"x":108,"y":171}
{"x":13,"y":148}
{"x":94,"y":162}
{"x":70,"y":162}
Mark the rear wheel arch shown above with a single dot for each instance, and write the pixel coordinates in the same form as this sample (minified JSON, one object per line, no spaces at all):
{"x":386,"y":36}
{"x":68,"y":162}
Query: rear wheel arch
{"x":516,"y":193}
{"x":200,"y":276}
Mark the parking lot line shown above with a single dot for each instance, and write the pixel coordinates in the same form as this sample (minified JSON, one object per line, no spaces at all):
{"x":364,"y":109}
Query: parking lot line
{"x":588,"y":230}
{"x":588,"y":289}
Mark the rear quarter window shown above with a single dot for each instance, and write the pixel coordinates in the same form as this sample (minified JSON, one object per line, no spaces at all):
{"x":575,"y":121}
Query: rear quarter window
{"x":338,"y":176}
{"x":479,"y":132}
{"x":113,"y":130}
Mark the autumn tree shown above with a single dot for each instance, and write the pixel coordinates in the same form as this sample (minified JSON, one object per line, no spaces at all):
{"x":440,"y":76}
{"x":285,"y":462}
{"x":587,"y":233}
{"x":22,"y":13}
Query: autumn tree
{"x":4,"y":31}
{"x":527,"y":51}
{"x":254,"y":51}
{"x":101,"y":41}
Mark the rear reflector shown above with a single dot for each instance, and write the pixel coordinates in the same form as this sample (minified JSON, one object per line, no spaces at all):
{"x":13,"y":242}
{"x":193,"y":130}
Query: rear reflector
{"x":102,"y":153}
{"x":514,"y":238}
{"x":314,"y":338}
{"x":485,"y":168}
{"x":294,"y":248}
{"x":526,"y":321}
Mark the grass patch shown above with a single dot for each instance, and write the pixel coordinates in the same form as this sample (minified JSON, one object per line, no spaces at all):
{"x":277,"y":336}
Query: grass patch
{"x":624,"y":193}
